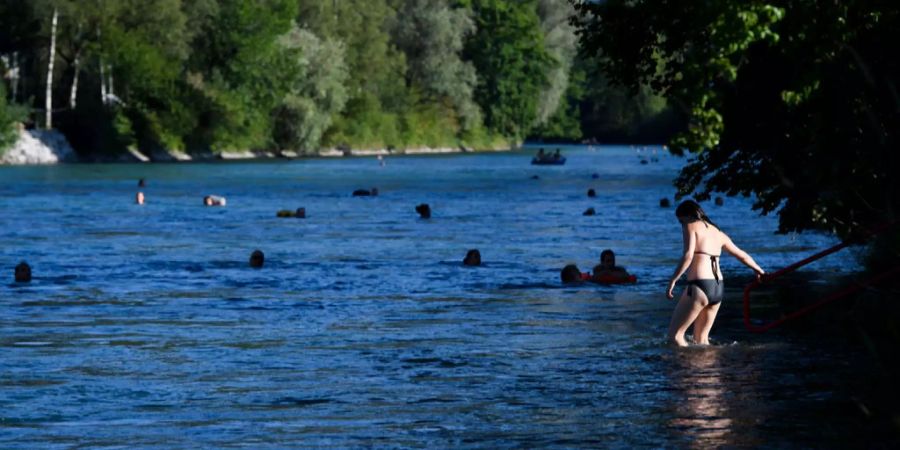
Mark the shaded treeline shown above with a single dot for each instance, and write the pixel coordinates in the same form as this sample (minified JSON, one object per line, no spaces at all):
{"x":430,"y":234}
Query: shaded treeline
{"x":216,"y":75}
{"x":793,"y":101}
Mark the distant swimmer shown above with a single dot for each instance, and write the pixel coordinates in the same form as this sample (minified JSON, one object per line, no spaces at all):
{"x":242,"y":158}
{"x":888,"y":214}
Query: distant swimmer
{"x":607,"y":271}
{"x":473,"y":258}
{"x":381,"y":160}
{"x":257,"y":259}
{"x":700,"y":301}
{"x":142,"y":183}
{"x":214,"y":200}
{"x":424,"y":210}
{"x":571,"y":274}
{"x":139,"y":198}
{"x":23,"y":273}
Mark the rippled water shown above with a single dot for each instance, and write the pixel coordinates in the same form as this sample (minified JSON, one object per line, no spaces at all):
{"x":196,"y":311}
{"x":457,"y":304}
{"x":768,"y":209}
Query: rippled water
{"x":145,"y":327}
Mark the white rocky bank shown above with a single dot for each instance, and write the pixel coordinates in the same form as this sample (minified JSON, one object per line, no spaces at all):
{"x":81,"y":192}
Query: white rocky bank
{"x":38,"y":147}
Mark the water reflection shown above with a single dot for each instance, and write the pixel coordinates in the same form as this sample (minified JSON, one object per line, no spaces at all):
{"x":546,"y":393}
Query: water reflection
{"x":701,"y":411}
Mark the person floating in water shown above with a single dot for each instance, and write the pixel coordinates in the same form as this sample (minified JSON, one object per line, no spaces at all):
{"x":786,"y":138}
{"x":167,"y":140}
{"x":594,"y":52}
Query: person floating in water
{"x":607,"y":270}
{"x":214,"y":200}
{"x":23,"y":273}
{"x":700,"y":301}
{"x":473,"y":258}
{"x":257,"y":259}
{"x":571,"y":274}
{"x":139,"y":198}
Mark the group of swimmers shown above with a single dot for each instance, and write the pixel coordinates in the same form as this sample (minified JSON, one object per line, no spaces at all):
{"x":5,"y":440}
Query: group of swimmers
{"x":698,"y":304}
{"x":606,"y":272}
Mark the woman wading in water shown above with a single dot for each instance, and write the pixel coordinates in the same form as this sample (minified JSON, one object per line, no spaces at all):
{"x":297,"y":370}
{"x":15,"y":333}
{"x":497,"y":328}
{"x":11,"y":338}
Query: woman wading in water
{"x":700,"y":301}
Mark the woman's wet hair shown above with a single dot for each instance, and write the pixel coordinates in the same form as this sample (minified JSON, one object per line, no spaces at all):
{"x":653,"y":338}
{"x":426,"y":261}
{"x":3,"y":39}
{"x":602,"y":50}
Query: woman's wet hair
{"x":692,"y":210}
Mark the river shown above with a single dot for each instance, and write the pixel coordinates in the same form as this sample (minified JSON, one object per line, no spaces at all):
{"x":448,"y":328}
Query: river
{"x":145,"y":327}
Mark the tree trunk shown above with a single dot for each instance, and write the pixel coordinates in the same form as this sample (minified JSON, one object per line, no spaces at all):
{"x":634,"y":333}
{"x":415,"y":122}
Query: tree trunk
{"x":102,"y":83}
{"x":15,"y":75}
{"x":48,"y":102}
{"x":74,"y":92}
{"x":112,"y":91}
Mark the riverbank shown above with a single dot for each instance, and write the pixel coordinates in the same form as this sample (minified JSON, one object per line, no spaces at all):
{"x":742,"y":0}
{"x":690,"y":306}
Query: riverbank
{"x":51,"y":147}
{"x":38,"y":147}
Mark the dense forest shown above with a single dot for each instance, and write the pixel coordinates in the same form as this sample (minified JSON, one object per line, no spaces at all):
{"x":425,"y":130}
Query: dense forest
{"x":217,"y":75}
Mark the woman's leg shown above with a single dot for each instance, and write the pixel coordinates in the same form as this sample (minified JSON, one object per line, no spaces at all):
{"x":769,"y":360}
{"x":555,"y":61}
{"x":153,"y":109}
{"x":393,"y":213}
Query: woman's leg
{"x":687,"y":310}
{"x":704,"y":323}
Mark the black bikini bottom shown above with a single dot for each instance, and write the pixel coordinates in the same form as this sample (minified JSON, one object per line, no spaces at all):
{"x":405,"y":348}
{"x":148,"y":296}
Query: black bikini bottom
{"x":714,"y":289}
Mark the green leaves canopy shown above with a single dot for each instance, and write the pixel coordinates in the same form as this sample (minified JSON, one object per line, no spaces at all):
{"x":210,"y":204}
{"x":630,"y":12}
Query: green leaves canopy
{"x":791,"y":101}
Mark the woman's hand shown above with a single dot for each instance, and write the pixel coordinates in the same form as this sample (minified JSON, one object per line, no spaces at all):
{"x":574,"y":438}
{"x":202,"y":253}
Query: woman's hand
{"x":669,"y":294}
{"x":759,"y":275}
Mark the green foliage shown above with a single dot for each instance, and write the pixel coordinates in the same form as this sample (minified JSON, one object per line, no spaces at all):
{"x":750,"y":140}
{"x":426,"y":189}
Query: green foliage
{"x":10,"y":114}
{"x":216,"y":75}
{"x":795,"y":103}
{"x":241,"y":72}
{"x":508,"y":52}
{"x":431,"y":36}
{"x":316,"y":90}
{"x":565,"y":123}
{"x":561,"y":43}
{"x":613,"y":112}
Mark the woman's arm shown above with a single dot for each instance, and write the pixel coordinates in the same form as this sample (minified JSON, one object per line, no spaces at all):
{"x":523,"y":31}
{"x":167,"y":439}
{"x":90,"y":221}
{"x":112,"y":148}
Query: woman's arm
{"x":742,"y":256}
{"x":690,"y":243}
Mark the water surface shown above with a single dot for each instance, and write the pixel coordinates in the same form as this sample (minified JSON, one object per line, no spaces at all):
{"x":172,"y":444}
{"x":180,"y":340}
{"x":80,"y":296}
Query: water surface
{"x":145,"y":327}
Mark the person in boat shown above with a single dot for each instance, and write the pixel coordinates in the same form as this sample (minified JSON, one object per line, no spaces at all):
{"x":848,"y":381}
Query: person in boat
{"x":556,"y":155}
{"x":607,"y":269}
{"x":214,"y":200}
{"x":700,"y":301}
{"x":540,"y":154}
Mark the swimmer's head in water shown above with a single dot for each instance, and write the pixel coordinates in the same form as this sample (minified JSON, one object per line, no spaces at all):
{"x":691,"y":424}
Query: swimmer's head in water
{"x":570,"y":274}
{"x":23,"y":272}
{"x":690,"y":211}
{"x":607,"y":259}
{"x":257,"y":259}
{"x":473,"y":258}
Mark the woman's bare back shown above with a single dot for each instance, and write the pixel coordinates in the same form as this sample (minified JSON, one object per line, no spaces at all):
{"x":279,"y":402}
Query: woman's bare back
{"x":707,"y":242}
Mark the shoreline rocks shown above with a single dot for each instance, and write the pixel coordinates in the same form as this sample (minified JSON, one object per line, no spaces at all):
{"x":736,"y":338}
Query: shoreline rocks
{"x":51,"y":147}
{"x":38,"y":147}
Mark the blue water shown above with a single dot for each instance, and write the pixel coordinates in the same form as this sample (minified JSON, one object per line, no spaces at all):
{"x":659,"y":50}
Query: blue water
{"x":144,"y":325}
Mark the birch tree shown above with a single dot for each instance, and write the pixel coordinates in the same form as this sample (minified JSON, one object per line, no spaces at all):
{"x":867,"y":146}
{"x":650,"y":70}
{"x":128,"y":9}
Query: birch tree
{"x":48,"y":99}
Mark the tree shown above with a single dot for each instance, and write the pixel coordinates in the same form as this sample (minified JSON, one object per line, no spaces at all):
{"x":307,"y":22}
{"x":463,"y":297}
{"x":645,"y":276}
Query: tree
{"x":561,"y":44}
{"x":431,"y":36}
{"x":240,"y":73}
{"x":316,"y":91}
{"x":10,"y":114}
{"x":509,"y":55}
{"x":794,"y":102}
